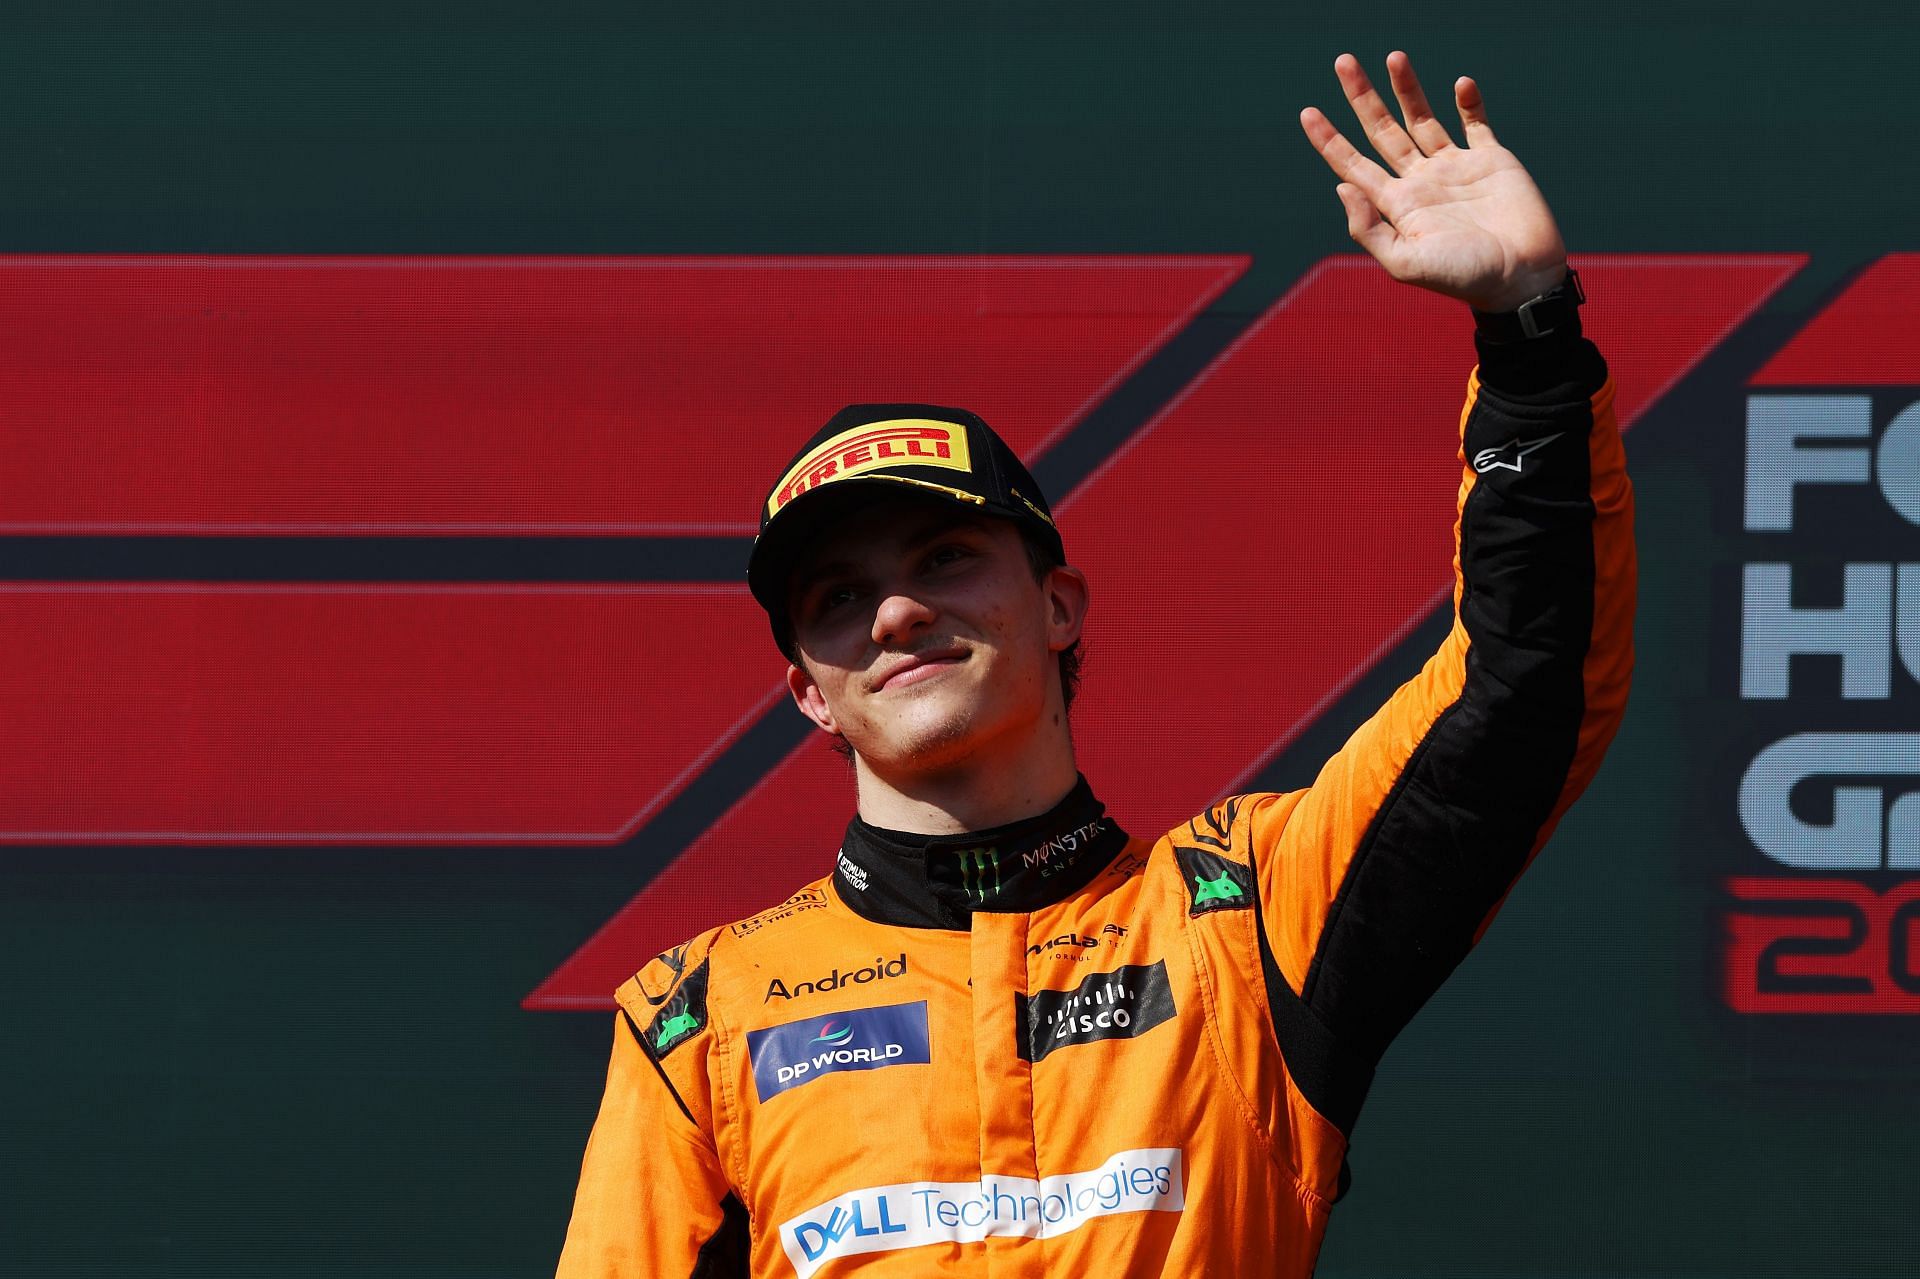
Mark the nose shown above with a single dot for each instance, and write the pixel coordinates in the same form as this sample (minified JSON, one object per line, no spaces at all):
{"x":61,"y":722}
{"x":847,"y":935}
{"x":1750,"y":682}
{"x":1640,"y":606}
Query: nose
{"x":900,"y":614}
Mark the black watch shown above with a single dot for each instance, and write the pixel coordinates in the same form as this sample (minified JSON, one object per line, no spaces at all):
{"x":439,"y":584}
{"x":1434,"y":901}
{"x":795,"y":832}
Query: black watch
{"x":1536,"y":317}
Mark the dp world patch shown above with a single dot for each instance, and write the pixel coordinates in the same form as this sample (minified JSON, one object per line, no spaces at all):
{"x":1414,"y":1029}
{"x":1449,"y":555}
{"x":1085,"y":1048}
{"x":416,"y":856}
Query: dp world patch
{"x":800,"y":1052}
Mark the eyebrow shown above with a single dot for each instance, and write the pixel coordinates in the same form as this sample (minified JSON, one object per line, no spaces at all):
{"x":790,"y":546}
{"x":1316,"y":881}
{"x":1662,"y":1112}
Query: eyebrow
{"x":930,"y":529}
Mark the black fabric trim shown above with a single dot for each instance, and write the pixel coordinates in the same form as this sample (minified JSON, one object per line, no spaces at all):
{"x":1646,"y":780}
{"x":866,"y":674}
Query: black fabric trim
{"x":1558,"y":367}
{"x":726,"y":1253}
{"x":641,"y":1039}
{"x":1334,"y":1081}
{"x":683,"y":1015}
{"x":1205,"y":874}
{"x":1456,"y":828}
{"x":939,"y":881}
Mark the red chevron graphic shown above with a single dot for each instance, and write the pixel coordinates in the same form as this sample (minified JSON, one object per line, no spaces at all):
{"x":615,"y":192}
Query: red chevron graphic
{"x":416,"y":713}
{"x":403,"y":395}
{"x":432,"y":395}
{"x":1255,"y":549}
{"x":1863,"y":338}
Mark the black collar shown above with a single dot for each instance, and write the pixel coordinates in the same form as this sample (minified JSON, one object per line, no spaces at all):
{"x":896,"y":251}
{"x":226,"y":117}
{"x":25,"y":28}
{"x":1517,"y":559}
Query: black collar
{"x":938,"y":881}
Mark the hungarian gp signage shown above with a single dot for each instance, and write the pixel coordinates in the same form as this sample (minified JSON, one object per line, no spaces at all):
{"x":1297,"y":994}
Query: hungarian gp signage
{"x":1825,"y":916}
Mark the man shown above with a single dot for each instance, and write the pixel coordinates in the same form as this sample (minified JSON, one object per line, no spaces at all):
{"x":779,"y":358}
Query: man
{"x":893,"y":1073}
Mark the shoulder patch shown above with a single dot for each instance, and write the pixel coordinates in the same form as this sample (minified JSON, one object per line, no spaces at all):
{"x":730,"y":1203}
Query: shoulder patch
{"x":1214,"y":828}
{"x":812,"y":897}
{"x":682,"y":1015}
{"x":662,"y":973}
{"x":1214,"y":882}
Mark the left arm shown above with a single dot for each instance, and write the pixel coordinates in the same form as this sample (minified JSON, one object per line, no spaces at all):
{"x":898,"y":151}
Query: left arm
{"x":1378,"y":879}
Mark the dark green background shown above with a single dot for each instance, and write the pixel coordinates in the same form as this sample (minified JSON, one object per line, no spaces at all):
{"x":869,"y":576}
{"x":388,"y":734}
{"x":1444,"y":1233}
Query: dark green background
{"x":292,"y":1062}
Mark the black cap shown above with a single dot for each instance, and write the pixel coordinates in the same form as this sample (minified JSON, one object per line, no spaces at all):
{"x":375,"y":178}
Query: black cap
{"x":944,"y":453}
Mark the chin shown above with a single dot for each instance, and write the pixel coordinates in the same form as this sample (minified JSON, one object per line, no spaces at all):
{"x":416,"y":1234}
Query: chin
{"x":929,"y":736}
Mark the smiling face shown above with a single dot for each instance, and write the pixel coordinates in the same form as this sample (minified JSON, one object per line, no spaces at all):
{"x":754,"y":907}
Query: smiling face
{"x":924,"y":638}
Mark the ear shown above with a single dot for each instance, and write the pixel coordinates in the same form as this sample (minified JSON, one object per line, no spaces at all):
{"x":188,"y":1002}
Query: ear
{"x":1066,"y":588}
{"x":811,"y":701}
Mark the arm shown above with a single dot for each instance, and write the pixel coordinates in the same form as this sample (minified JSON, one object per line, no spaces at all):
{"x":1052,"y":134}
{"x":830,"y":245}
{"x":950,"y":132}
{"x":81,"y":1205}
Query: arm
{"x":653,"y":1201}
{"x":1376,"y":881}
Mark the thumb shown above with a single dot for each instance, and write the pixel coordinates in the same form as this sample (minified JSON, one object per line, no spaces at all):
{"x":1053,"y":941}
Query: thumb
{"x":1364,"y":223}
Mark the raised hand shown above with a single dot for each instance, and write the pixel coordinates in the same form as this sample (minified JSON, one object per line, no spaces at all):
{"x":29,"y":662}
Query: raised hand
{"x":1464,"y":221}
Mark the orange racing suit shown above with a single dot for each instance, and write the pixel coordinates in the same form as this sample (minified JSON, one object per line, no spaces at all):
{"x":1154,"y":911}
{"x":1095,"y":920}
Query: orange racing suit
{"x":1055,"y":1049}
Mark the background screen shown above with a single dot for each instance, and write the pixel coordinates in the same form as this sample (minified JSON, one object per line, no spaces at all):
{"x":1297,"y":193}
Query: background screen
{"x":388,"y":393}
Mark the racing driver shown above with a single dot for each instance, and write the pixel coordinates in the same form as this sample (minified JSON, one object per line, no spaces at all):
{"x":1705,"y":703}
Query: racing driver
{"x":885,"y":1075}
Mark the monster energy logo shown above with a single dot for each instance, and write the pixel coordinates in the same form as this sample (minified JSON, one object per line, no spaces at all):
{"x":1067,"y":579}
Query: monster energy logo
{"x":975,"y":865}
{"x":1209,"y":890}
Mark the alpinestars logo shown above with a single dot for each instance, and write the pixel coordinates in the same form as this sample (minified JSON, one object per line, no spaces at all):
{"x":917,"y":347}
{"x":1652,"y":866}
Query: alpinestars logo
{"x":916,"y":1213}
{"x":1507,"y":456}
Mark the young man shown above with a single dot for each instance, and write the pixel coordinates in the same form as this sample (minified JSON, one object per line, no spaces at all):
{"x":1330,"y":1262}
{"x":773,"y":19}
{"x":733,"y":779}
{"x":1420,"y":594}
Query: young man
{"x":887,"y":1074}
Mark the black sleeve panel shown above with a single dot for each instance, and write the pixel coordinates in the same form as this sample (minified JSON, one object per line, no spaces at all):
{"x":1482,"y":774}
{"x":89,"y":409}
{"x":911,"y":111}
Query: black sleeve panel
{"x":1462,"y":818}
{"x":728,"y":1254}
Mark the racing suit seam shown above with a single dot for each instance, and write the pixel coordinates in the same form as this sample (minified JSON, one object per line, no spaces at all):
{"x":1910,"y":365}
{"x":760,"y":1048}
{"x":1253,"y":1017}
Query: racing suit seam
{"x":1203,"y":975}
{"x":1249,"y":955}
{"x":730,"y":1109}
{"x":1203,"y":978}
{"x":1033,"y":1122}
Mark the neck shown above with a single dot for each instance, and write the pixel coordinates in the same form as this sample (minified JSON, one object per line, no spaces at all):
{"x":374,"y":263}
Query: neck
{"x":994,"y":787}
{"x":942,"y":881}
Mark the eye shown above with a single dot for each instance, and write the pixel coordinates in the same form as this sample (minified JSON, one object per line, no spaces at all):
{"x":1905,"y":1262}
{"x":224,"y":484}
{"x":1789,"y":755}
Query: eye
{"x":947,"y":553}
{"x":834,"y":597}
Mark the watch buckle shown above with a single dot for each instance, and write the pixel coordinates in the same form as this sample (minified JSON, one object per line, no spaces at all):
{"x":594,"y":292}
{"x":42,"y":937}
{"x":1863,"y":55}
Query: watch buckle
{"x":1532,"y":327}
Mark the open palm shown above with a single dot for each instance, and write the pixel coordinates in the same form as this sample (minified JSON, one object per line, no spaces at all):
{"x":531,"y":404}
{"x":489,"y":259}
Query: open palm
{"x":1464,"y":221}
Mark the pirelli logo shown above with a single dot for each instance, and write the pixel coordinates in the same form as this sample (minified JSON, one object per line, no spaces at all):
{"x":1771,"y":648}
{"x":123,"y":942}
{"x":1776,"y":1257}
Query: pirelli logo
{"x":907,"y":441}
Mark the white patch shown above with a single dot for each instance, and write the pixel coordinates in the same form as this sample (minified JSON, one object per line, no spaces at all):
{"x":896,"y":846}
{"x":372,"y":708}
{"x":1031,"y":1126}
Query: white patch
{"x":915,"y":1213}
{"x":855,"y":875}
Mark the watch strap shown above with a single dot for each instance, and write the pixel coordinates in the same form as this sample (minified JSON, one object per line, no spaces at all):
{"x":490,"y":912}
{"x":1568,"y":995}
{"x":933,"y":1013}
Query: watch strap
{"x":1551,"y":312}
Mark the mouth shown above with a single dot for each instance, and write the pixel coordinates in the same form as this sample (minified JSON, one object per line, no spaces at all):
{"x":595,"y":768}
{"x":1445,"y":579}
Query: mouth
{"x":920,"y":666}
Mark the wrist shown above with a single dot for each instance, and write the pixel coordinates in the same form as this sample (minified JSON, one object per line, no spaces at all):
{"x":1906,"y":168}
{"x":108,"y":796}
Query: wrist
{"x":1521,"y":289}
{"x":1555,"y":309}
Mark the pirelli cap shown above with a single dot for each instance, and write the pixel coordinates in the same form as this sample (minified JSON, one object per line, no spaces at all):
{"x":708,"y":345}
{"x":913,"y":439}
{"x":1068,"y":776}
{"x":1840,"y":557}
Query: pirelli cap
{"x":946,"y":454}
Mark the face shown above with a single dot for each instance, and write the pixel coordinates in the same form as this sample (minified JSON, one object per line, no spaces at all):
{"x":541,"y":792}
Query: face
{"x":924,"y":638}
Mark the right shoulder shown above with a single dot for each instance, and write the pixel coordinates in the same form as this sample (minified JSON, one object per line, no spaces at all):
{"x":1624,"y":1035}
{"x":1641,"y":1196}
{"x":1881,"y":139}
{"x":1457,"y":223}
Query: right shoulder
{"x":669,"y":997}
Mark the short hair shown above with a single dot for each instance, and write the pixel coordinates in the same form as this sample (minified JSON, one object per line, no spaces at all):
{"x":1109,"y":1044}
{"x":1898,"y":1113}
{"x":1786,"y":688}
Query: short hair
{"x":1042,"y":560}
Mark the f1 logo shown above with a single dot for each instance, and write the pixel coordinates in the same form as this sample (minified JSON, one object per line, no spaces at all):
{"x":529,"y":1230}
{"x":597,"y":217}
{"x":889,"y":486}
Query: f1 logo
{"x":404,"y":681}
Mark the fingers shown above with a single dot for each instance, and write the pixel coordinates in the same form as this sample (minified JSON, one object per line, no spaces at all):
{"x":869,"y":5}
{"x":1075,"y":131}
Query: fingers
{"x":1388,"y":138}
{"x":1473,"y":112}
{"x":1364,"y":223}
{"x":1346,"y":162}
{"x":1428,"y":132}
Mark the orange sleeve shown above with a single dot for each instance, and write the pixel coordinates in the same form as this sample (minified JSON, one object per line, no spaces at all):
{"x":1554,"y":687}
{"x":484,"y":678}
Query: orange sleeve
{"x":653,"y":1201}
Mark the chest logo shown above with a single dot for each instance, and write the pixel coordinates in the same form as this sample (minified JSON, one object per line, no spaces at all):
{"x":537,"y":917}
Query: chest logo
{"x":1214,"y":882}
{"x":1122,"y":1004}
{"x":684,"y":1015}
{"x":879,"y":970}
{"x":797,"y":1053}
{"x":915,"y":1214}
